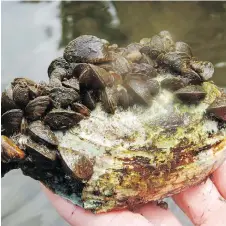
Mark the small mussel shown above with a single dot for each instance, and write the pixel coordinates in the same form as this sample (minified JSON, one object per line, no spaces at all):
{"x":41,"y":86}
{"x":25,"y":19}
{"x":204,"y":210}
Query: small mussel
{"x":62,"y":96}
{"x":59,"y":62}
{"x":77,"y":164}
{"x":154,"y":86}
{"x":7,"y":102}
{"x":123,"y":97}
{"x":59,"y":119}
{"x":37,"y":107}
{"x":10,"y":152}
{"x":11,"y":120}
{"x":80,"y":108}
{"x":94,"y":77}
{"x":42,"y":133}
{"x":167,"y":40}
{"x":172,"y":83}
{"x":139,"y":89}
{"x":21,"y":94}
{"x":86,"y":49}
{"x":144,"y":68}
{"x":109,"y":99}
{"x":88,"y":99}
{"x":191,"y":94}
{"x":41,"y":154}
{"x":218,"y":108}
{"x":183,"y":47}
{"x":203,"y":68}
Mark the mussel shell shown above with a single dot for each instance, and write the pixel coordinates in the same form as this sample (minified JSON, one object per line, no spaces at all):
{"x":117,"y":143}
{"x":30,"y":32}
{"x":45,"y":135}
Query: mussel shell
{"x":183,"y":47}
{"x":71,"y":83}
{"x":167,"y":40}
{"x":42,"y":133}
{"x":156,"y":46}
{"x":172,"y":83}
{"x":79,"y":69}
{"x":192,"y":94}
{"x":139,"y":89}
{"x":22,"y":80}
{"x":62,"y":96}
{"x":154,"y":86}
{"x":174,"y":60}
{"x":80,"y":108}
{"x":109,"y":100}
{"x":89,"y":100}
{"x":120,"y":65}
{"x":95,"y":78}
{"x":21,"y":95}
{"x":41,"y":154}
{"x":86,"y":49}
{"x":123,"y":97}
{"x":37,"y":107}
{"x":11,"y":120}
{"x":218,"y":108}
{"x":59,"y":119}
{"x":77,"y":164}
{"x":204,"y":68}
{"x":7,"y":102}
{"x":145,"y":69}
{"x":59,"y":62}
{"x":10,"y":152}
{"x":189,"y":76}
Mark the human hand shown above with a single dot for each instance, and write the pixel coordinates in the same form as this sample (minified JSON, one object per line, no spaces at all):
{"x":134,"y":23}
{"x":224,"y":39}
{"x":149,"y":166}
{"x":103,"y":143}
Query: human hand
{"x":204,"y":204}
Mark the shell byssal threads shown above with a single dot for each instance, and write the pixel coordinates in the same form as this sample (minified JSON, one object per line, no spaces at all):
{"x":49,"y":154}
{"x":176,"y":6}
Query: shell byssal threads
{"x":117,"y":126}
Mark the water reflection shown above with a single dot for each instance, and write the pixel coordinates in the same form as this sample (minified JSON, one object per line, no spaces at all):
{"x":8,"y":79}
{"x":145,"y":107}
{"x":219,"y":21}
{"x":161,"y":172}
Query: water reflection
{"x":201,"y":24}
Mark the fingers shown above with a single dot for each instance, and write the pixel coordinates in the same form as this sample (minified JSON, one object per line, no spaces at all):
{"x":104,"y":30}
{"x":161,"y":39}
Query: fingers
{"x":203,"y":204}
{"x":219,"y":179}
{"x":77,"y":216}
{"x":157,"y":215}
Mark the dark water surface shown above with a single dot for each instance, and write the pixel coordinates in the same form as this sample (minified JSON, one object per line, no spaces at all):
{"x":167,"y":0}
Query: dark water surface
{"x":34,"y":33}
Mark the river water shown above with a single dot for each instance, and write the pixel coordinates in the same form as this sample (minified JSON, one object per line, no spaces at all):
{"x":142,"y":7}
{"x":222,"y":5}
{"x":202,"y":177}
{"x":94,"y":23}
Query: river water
{"x":34,"y":33}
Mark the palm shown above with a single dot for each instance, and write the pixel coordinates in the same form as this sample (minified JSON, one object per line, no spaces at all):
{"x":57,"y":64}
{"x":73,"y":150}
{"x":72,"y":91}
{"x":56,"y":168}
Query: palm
{"x":204,"y":205}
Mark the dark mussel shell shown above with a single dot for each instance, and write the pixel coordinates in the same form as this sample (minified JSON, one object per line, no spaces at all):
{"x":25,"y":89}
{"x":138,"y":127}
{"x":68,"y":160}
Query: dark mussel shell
{"x":89,"y":99}
{"x":189,"y":76}
{"x":77,"y":164}
{"x":174,"y":60}
{"x":172,"y":83}
{"x":95,"y":77}
{"x":71,"y":83}
{"x":21,"y":94}
{"x":62,"y":96}
{"x":10,"y":152}
{"x":192,"y":94}
{"x":218,"y":108}
{"x":7,"y":102}
{"x":80,"y":108}
{"x":59,"y":119}
{"x":42,"y":133}
{"x":139,"y":89}
{"x":204,"y":68}
{"x":86,"y":49}
{"x":37,"y":107}
{"x":183,"y":47}
{"x":109,"y":99}
{"x":144,"y":68}
{"x":11,"y":120}
{"x":59,"y":62}
{"x":41,"y":154}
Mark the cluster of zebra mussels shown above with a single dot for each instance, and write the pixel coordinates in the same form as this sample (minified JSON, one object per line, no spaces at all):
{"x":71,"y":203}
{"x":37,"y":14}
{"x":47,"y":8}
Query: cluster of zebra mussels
{"x":94,"y":78}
